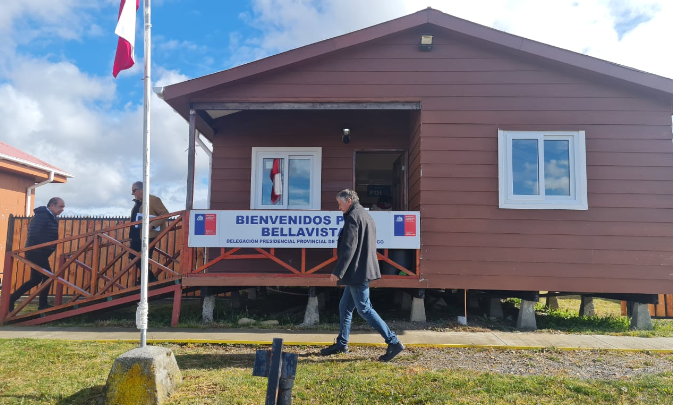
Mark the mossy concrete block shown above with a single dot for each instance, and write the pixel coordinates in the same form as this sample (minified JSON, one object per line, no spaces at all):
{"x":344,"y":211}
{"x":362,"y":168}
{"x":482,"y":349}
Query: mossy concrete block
{"x":143,"y":376}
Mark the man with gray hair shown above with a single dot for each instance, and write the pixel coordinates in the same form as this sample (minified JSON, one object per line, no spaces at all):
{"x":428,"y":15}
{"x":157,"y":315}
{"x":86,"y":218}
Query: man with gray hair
{"x":157,"y":208}
{"x":356,"y":266}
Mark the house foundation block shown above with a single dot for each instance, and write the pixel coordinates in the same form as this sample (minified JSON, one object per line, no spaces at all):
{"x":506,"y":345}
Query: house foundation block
{"x":406,"y":301}
{"x":526,"y":318}
{"x":495,"y":309}
{"x":142,"y":376}
{"x":552,"y":302}
{"x":208,"y":309}
{"x":640,"y":317}
{"x":417,"y":310}
{"x":312,"y":314}
{"x":587,"y":306}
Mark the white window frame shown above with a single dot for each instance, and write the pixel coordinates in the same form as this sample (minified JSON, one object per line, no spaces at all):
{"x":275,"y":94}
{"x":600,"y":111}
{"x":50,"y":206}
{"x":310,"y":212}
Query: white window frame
{"x":258,"y":156}
{"x":577,"y":164}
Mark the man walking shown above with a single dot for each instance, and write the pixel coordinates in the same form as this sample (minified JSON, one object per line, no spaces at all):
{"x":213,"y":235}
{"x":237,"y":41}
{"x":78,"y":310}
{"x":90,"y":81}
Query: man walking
{"x":43,"y":228}
{"x":356,"y":266}
{"x":156,"y":208}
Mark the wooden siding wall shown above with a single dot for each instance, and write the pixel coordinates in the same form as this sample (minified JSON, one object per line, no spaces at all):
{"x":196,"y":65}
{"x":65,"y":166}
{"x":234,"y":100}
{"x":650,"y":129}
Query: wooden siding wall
{"x":12,"y":202}
{"x":623,"y":243}
{"x":232,"y":147}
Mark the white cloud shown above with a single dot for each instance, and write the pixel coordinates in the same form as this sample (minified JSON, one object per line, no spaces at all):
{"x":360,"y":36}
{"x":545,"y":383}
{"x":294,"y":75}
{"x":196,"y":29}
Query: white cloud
{"x":635,"y":33}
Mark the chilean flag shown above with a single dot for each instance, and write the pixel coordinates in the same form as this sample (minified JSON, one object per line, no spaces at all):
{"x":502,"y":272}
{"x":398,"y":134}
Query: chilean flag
{"x":126,"y":30}
{"x":276,"y":178}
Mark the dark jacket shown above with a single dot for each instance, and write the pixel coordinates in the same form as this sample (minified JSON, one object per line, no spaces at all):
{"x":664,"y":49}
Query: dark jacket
{"x":356,"y":248}
{"x":43,"y":228}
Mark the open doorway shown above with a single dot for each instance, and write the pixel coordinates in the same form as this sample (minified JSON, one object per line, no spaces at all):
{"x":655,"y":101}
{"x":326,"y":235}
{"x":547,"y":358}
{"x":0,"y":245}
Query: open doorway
{"x":381,"y":180}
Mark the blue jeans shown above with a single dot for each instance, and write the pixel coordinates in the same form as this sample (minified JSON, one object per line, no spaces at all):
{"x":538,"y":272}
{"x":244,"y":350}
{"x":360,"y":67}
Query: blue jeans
{"x":357,"y":296}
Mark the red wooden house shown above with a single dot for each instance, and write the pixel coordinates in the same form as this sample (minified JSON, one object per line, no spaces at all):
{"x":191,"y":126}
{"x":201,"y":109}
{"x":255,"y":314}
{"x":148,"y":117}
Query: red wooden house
{"x":533,"y":168}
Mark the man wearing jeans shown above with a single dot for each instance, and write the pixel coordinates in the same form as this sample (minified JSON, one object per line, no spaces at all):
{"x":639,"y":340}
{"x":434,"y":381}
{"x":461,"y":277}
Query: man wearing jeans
{"x":356,"y":266}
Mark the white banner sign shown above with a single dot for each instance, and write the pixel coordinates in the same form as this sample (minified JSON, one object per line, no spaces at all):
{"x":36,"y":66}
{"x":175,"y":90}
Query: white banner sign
{"x":296,"y":229}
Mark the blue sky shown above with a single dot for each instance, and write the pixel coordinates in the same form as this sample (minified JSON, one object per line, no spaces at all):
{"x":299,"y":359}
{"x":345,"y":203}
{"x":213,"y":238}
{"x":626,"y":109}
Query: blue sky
{"x":59,"y":102}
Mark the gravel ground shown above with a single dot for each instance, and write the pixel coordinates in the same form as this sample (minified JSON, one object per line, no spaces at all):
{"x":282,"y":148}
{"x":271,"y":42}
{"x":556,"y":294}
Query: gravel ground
{"x":582,"y":364}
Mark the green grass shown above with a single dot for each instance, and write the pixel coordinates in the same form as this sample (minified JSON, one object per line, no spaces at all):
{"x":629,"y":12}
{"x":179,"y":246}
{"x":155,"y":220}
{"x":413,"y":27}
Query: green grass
{"x":288,"y":308}
{"x":68,"y":372}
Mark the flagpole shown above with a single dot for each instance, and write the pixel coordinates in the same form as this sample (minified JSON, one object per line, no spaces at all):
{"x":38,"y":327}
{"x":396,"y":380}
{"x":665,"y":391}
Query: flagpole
{"x":143,"y":307}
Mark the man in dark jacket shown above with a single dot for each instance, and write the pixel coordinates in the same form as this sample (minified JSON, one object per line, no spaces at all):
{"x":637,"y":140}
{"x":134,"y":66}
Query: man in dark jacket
{"x":43,"y":228}
{"x":356,"y":266}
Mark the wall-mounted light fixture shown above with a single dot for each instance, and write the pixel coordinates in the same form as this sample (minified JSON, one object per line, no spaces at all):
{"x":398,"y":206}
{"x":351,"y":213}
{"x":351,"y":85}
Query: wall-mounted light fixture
{"x":426,"y":42}
{"x":346,"y":137}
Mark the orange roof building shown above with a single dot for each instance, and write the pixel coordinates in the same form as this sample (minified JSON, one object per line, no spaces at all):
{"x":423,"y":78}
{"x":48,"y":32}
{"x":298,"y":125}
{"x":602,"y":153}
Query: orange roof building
{"x":20,"y":175}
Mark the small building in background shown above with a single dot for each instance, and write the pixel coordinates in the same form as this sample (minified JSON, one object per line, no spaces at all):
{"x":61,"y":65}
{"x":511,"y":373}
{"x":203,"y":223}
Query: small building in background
{"x":20,"y":175}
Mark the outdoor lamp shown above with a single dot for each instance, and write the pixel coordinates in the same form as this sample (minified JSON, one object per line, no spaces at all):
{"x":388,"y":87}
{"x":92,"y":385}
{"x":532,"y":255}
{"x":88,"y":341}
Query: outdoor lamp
{"x":346,"y":137}
{"x":426,"y":42}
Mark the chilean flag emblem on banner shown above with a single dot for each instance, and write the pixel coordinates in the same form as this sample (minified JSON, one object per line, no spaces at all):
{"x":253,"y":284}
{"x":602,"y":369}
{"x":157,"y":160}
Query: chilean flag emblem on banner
{"x":405,"y":225}
{"x":205,"y":224}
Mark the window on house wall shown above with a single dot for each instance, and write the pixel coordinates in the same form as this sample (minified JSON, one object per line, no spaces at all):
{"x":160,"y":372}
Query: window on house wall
{"x":286,"y":178}
{"x":542,"y":170}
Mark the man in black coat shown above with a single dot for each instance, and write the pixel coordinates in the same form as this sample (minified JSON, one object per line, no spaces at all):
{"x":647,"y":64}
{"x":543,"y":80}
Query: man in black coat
{"x":43,"y":228}
{"x":356,"y":266}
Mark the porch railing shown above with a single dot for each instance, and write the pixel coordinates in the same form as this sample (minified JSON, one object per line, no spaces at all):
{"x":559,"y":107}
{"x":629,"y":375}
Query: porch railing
{"x":96,"y":269}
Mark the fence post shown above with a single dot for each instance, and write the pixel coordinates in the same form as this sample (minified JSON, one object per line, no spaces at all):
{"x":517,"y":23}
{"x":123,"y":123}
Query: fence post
{"x":6,"y":286}
{"x":58,"y":298}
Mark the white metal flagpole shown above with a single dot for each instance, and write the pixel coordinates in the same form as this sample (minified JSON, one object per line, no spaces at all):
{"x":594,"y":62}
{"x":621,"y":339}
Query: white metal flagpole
{"x":143,"y":307}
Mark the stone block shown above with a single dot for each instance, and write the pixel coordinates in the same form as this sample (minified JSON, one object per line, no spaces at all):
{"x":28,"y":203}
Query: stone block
{"x":142,"y":376}
{"x":495,"y":308}
{"x":311,"y":315}
{"x":208,"y":308}
{"x":640,"y":317}
{"x":417,"y":310}
{"x":526,"y":318}
{"x":587,"y":306}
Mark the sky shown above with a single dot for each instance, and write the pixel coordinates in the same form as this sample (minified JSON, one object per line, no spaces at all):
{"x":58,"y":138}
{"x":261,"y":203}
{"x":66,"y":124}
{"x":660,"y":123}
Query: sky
{"x":60,"y":103}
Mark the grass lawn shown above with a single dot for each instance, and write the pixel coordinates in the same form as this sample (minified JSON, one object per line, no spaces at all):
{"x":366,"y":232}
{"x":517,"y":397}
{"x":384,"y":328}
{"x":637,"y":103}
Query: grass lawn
{"x":287,"y":306}
{"x":69,"y":372}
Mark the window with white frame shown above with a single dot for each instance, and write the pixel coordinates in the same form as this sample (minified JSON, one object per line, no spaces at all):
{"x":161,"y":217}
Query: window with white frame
{"x":542,"y":170}
{"x":286,"y":178}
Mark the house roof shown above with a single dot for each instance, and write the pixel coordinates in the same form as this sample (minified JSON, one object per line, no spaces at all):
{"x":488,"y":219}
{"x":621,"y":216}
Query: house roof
{"x":20,"y":159}
{"x":178,"y":95}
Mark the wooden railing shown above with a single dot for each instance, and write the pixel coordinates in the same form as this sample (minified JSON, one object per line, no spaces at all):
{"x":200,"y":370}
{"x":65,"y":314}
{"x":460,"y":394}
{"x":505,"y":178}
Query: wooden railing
{"x":93,"y":266}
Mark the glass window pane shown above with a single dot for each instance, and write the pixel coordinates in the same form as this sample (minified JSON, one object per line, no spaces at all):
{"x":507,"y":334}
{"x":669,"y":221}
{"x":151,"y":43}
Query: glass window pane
{"x":557,"y":167}
{"x":272,"y":181}
{"x":525,"y":167}
{"x":299,"y":182}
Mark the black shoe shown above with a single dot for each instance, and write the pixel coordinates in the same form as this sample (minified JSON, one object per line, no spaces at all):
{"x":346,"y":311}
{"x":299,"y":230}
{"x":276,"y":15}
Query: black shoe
{"x":334,"y":349}
{"x":393,"y":350}
{"x":11,"y":306}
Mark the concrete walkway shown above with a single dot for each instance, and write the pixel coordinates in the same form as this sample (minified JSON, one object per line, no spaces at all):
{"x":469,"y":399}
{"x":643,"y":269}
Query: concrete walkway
{"x":510,"y":340}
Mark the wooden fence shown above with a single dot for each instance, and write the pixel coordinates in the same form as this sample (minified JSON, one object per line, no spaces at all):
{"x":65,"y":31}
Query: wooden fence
{"x":73,"y":226}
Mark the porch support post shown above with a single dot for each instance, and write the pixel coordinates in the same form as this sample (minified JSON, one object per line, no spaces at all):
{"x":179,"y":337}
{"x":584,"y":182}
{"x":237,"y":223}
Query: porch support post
{"x":191,"y":159}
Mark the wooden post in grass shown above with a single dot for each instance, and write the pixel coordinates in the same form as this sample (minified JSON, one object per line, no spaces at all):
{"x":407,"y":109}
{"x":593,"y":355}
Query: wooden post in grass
{"x":280,"y":368}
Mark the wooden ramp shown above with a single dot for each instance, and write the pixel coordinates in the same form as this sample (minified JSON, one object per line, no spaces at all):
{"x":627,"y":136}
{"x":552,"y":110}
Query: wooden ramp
{"x":92,"y":270}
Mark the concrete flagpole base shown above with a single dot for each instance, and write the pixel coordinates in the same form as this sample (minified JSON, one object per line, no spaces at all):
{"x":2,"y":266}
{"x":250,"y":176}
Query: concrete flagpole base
{"x":142,"y":376}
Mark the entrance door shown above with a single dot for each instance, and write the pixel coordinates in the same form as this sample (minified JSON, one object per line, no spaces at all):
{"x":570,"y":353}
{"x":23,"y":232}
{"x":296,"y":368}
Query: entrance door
{"x":380,"y":180}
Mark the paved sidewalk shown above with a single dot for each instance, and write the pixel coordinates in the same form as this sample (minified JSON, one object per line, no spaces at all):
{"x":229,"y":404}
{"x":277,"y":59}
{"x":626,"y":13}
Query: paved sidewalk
{"x":511,"y":340}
